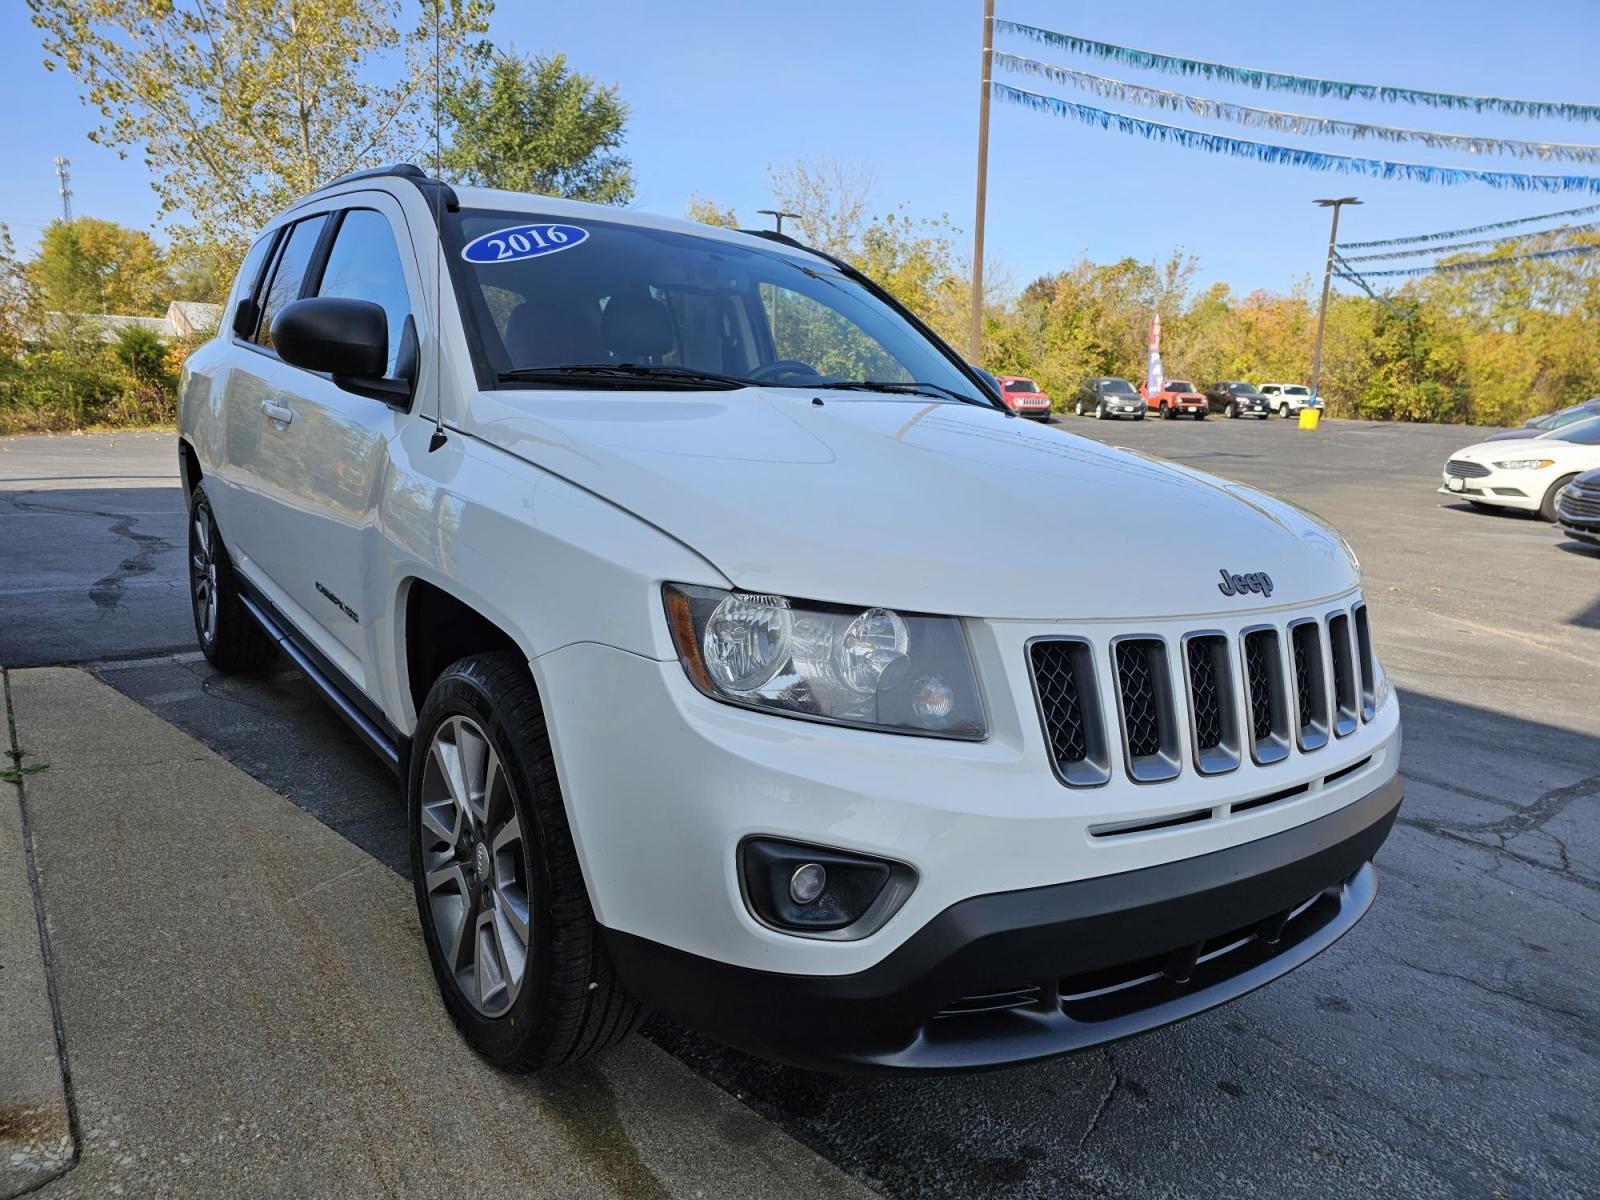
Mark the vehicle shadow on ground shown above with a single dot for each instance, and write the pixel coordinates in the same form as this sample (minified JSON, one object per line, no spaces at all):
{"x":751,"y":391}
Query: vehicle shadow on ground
{"x":1450,"y":1037}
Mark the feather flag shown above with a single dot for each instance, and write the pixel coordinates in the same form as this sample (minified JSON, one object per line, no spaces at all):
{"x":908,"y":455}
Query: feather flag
{"x":1290,"y":155}
{"x":1283,"y":122}
{"x":1308,"y":85}
{"x":1153,"y":381}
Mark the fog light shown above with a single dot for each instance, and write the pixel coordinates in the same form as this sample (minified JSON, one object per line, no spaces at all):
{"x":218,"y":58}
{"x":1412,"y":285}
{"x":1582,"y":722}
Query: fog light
{"x":818,"y":892}
{"x":807,"y":882}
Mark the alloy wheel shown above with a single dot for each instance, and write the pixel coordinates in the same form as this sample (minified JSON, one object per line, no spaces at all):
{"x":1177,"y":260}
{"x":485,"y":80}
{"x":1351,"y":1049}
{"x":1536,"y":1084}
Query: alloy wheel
{"x":203,"y":572}
{"x":474,"y":866}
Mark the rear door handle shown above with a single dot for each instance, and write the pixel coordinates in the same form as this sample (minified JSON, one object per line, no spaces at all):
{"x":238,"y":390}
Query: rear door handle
{"x":277,"y":412}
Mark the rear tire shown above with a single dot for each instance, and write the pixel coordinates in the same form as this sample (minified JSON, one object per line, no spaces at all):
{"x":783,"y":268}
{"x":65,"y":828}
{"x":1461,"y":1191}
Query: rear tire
{"x":1547,"y":506}
{"x":497,"y":879}
{"x":1077,"y":409}
{"x":228,"y":635}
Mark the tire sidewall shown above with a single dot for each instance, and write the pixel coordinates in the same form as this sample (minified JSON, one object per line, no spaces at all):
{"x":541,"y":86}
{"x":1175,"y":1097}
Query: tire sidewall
{"x":199,"y":500}
{"x":459,"y":693}
{"x":1547,"y":506}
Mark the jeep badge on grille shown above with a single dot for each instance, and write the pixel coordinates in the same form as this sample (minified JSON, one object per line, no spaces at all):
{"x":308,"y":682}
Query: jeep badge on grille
{"x":1237,"y":585}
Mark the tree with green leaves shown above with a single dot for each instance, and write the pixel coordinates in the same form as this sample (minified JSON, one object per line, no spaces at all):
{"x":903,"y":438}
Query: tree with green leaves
{"x":95,"y":266}
{"x":708,"y":212}
{"x":17,"y":308}
{"x":533,"y":125}
{"x":239,"y":106}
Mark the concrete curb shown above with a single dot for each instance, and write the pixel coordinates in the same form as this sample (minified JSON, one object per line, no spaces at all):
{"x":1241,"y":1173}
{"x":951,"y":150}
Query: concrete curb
{"x":249,"y":1009}
{"x":37,"y":1141}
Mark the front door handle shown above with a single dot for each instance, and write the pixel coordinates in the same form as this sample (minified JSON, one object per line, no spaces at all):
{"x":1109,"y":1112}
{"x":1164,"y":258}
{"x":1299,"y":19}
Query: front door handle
{"x":277,"y":412}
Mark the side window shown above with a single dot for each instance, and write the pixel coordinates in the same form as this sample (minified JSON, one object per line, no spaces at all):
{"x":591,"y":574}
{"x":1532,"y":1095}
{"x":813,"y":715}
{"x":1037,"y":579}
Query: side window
{"x":364,"y":264}
{"x":244,"y":285}
{"x":289,"y":273}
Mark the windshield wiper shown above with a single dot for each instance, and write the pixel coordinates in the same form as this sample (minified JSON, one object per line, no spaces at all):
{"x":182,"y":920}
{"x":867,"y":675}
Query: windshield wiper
{"x":903,"y":389}
{"x":579,"y":374}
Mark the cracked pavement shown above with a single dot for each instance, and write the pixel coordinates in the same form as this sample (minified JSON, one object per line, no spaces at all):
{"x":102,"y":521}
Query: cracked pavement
{"x":1449,"y":1046}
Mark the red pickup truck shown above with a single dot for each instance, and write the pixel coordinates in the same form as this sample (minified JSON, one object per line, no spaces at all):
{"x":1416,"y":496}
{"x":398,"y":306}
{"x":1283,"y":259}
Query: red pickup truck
{"x":1179,"y":396}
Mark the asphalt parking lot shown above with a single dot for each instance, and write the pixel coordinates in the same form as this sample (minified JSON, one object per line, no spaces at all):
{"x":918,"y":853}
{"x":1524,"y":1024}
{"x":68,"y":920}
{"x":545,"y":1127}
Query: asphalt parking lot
{"x":1450,"y":1045}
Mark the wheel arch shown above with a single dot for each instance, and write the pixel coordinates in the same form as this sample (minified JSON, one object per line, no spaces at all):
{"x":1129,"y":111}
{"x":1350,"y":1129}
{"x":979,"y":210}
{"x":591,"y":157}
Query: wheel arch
{"x":437,"y":627}
{"x":188,"y":467}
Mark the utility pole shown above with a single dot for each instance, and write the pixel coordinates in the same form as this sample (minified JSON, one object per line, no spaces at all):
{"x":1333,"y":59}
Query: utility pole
{"x":64,"y":174}
{"x":1327,"y":278}
{"x":975,"y":341}
{"x":777,"y":217}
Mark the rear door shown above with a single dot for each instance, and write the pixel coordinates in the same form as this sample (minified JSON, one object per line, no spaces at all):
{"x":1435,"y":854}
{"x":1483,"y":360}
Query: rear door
{"x":323,"y":471}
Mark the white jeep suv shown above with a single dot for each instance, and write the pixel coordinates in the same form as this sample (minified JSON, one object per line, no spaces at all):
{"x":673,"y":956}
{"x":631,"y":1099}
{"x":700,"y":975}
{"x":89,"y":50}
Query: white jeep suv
{"x":672,"y":570}
{"x":1288,"y":399}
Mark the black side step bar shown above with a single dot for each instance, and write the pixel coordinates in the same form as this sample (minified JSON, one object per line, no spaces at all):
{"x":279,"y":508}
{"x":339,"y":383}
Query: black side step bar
{"x":380,"y":739}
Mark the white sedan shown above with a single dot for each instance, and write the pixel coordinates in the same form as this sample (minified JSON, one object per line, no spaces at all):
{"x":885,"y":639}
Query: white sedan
{"x":1525,"y":474}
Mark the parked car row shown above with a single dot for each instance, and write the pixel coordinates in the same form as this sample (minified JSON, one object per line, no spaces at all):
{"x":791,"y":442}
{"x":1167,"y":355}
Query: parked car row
{"x":1106,"y":397}
{"x":1553,"y":472}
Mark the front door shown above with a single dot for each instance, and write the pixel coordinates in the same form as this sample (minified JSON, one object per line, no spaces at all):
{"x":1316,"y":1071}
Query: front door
{"x":323,"y":470}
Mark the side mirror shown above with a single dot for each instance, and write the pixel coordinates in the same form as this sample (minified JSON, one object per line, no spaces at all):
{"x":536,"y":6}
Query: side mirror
{"x":343,"y":337}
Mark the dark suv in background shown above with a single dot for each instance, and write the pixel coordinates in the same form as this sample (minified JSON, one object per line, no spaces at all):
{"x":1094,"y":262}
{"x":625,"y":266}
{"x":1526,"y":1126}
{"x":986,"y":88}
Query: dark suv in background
{"x":1105,"y":396}
{"x":1237,"y":398}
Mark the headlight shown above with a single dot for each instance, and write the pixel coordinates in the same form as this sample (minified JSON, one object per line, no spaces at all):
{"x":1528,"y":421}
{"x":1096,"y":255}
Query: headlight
{"x":867,"y":667}
{"x":1525,"y":464}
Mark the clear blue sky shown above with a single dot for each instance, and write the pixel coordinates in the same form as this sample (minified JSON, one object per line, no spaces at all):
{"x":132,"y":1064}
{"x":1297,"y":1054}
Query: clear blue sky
{"x":718,"y":89}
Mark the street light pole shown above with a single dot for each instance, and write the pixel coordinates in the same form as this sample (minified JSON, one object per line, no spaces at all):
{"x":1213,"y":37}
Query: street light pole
{"x":1327,"y":278}
{"x":975,"y":340}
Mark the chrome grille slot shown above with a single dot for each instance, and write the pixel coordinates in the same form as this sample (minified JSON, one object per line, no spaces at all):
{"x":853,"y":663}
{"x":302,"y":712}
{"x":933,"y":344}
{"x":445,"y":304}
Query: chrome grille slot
{"x":1310,"y":684}
{"x":1213,"y":710}
{"x":1069,"y":712}
{"x":1463,"y":469}
{"x":1344,"y":674}
{"x":1265,"y":695}
{"x":1145,"y":705}
{"x":1369,"y":682}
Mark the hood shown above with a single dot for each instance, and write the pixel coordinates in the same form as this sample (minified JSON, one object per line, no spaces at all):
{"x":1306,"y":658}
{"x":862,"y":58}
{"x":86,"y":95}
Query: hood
{"x":1513,"y":435}
{"x":921,"y":506}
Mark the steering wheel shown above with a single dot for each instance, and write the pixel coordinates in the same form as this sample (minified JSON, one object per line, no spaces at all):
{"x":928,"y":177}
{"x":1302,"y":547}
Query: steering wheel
{"x":784,"y":366}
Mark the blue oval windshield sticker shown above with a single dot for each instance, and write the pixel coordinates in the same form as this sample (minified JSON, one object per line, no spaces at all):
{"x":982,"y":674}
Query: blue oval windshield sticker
{"x":522,"y":241}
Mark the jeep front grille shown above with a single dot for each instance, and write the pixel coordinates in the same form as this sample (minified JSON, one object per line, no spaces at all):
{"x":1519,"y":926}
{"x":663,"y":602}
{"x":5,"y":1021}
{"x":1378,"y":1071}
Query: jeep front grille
{"x":1344,"y":675}
{"x":1144,"y":702}
{"x":1269,"y":705}
{"x":1310,"y":685}
{"x":1063,"y":685}
{"x":1207,"y":695}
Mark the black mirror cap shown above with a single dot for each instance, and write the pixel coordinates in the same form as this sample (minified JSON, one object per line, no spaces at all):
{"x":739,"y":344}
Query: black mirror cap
{"x":334,"y":334}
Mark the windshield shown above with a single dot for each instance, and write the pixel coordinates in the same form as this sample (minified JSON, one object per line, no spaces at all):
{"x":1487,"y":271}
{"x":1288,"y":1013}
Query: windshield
{"x":1021,"y":385}
{"x":1567,"y":416}
{"x":1243,"y":389}
{"x":545,"y":296}
{"x":1294,"y":389}
{"x":1585,"y":433}
{"x":1121,"y":386}
{"x":1179,"y":385}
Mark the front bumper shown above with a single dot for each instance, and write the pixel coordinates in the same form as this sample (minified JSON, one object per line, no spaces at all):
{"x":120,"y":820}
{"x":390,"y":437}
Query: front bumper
{"x":1519,"y":489}
{"x":1016,"y":976}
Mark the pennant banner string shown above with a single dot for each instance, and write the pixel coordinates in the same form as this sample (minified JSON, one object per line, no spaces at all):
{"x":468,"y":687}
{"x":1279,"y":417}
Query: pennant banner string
{"x":1447,"y":234}
{"x":1452,"y":247}
{"x":1480,"y":264}
{"x":1351,"y":277}
{"x":1283,"y":122}
{"x":1292,"y":156}
{"x":1304,"y":84}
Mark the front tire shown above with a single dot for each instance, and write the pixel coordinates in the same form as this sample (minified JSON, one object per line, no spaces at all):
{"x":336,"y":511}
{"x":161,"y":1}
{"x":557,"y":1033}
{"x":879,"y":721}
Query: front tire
{"x":1283,"y":411}
{"x":514,"y":945}
{"x":1233,"y":411}
{"x":1166,"y":411}
{"x":1547,"y":506}
{"x":228,"y":635}
{"x":1100,"y":411}
{"x":1077,"y":409}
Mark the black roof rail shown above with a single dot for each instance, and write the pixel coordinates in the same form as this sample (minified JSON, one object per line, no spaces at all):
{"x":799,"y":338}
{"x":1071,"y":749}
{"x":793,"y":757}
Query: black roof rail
{"x":424,"y":182}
